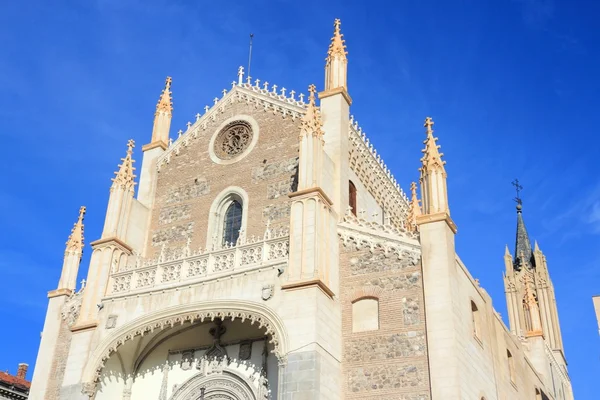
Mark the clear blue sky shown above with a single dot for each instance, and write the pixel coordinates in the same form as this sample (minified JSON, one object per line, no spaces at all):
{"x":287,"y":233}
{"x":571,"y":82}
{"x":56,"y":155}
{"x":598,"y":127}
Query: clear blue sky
{"x":511,"y":84}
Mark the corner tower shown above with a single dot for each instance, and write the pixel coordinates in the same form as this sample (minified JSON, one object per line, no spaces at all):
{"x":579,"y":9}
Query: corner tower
{"x":529,"y":292}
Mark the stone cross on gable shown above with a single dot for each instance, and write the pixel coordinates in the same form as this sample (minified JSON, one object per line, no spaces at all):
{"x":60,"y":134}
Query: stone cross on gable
{"x":301,"y":95}
{"x":429,"y":125}
{"x":197,"y":116}
{"x":82,"y":284}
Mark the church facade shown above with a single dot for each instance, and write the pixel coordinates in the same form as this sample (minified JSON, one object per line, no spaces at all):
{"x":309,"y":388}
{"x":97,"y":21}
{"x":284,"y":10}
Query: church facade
{"x":269,"y":253}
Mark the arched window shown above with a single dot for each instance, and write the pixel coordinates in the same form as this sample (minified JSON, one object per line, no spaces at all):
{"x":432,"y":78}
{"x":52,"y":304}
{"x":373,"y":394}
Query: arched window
{"x":228,"y":216}
{"x":352,"y":197}
{"x":232,"y":223}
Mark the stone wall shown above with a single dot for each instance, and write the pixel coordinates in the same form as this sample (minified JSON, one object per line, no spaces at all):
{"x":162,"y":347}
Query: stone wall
{"x":188,"y":184}
{"x":390,"y":362}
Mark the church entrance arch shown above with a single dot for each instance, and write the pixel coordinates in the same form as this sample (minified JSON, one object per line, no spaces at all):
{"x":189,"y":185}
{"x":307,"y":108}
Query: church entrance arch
{"x":221,"y":380}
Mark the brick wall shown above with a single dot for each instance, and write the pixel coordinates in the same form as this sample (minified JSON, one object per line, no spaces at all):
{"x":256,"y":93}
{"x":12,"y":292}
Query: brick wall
{"x":187,"y":186}
{"x":390,"y":362}
{"x":59,"y":363}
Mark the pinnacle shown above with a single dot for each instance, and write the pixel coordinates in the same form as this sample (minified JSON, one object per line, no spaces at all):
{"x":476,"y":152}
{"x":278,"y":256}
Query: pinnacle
{"x":414,"y":208}
{"x":311,"y":122}
{"x":75,"y":241}
{"x":124,"y":176}
{"x":432,"y":158}
{"x":337,"y":46}
{"x":165,"y":102}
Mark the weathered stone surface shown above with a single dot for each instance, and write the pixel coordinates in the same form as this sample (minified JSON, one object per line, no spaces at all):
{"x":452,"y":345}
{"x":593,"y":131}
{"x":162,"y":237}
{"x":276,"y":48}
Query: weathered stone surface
{"x":396,"y":282}
{"x":272,"y":170}
{"x":384,"y":377}
{"x":386,"y":347}
{"x":411,"y":311}
{"x":278,"y":189}
{"x":421,"y":396}
{"x":192,"y":190}
{"x":174,"y":233}
{"x":173,"y":214}
{"x":274,"y":212}
{"x":378,"y":262}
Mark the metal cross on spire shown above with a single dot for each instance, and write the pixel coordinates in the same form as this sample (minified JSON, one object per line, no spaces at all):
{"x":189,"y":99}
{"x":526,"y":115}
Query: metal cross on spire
{"x":518,"y":187}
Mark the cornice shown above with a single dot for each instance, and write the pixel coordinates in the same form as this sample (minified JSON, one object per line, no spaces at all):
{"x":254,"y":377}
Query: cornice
{"x":338,"y":90}
{"x":59,"y":292}
{"x":112,"y":240}
{"x":310,"y":192}
{"x":436,"y":217}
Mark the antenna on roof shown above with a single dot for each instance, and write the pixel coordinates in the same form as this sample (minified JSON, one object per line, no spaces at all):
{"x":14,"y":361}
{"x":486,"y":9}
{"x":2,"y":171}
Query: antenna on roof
{"x":250,"y":54}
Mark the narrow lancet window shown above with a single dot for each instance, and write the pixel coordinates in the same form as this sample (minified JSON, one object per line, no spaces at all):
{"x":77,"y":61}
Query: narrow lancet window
{"x":232,"y":223}
{"x":352,"y":197}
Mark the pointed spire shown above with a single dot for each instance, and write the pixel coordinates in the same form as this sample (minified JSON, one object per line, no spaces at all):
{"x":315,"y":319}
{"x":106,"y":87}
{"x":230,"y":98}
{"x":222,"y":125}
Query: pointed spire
{"x":523,"y":252}
{"x":434,"y":192}
{"x":336,"y":63}
{"x":162,"y":119}
{"x":165,"y":102}
{"x":337,"y":47}
{"x":506,"y":252}
{"x":75,"y":241}
{"x":432,"y":158}
{"x":414,"y":209}
{"x":311,"y":122}
{"x":124,"y":176}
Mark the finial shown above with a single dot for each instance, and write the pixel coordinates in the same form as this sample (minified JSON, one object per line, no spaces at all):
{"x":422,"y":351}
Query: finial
{"x":130,"y":146}
{"x":240,"y":75}
{"x":429,"y":125}
{"x":197,"y":116}
{"x":518,"y":199}
{"x":337,"y":46}
{"x":414,"y":209}
{"x":312,"y":89}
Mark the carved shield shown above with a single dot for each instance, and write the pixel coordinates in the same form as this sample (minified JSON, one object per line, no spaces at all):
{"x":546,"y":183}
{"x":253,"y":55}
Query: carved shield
{"x":267,"y":292}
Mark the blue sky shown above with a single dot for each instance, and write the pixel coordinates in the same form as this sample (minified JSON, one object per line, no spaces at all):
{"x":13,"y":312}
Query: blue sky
{"x":511,"y":84}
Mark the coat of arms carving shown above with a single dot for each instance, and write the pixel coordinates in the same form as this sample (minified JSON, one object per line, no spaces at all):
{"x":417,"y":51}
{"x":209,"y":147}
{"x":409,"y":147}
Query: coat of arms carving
{"x":267,"y":292}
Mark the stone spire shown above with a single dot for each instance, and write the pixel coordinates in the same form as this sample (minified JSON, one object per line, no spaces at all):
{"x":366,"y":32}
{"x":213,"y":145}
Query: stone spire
{"x":72,"y":258}
{"x":124,"y":176}
{"x":523,"y":252}
{"x":433,"y":175}
{"x":336,"y":66}
{"x":414,"y":209}
{"x":311,"y":122}
{"x":311,"y":145}
{"x":432,"y":158}
{"x":162,"y":118}
{"x":75,"y":241}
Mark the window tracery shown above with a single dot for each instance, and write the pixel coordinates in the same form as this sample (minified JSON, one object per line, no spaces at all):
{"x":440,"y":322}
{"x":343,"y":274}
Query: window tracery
{"x":233,"y":140}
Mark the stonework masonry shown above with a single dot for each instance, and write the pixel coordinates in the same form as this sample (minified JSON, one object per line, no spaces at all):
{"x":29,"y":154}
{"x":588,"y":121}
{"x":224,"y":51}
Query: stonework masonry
{"x":241,"y":243}
{"x":272,"y":161}
{"x":390,"y":362}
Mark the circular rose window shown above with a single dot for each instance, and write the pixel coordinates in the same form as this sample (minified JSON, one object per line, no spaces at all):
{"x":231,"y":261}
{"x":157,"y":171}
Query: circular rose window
{"x":233,"y":140}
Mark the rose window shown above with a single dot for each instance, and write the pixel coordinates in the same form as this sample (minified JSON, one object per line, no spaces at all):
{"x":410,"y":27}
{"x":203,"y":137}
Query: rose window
{"x":233,"y":140}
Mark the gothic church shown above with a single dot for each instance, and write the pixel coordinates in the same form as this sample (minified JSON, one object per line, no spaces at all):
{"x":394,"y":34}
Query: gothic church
{"x":269,"y":253}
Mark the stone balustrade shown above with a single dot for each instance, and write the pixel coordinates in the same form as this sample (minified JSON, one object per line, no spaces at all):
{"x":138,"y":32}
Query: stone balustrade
{"x":199,"y":267}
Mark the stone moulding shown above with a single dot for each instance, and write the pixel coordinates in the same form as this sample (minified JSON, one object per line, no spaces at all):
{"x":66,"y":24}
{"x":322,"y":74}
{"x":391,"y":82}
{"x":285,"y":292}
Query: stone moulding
{"x":390,"y":246}
{"x":189,"y":313}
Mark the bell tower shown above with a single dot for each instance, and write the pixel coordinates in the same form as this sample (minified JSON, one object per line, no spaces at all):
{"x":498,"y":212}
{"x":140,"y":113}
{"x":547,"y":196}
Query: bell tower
{"x":529,"y":290}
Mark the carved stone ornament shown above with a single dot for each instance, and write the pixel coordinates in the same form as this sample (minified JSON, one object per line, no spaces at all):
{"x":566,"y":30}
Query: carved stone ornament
{"x":187,"y":358}
{"x":267,"y":292}
{"x":224,"y":381}
{"x":245,"y":350}
{"x":111,"y":322}
{"x":89,"y":389}
{"x":233,"y":140}
{"x":70,"y":310}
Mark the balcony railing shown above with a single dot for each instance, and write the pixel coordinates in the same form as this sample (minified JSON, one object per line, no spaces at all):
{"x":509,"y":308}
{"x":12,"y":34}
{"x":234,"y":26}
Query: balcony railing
{"x":200,"y":266}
